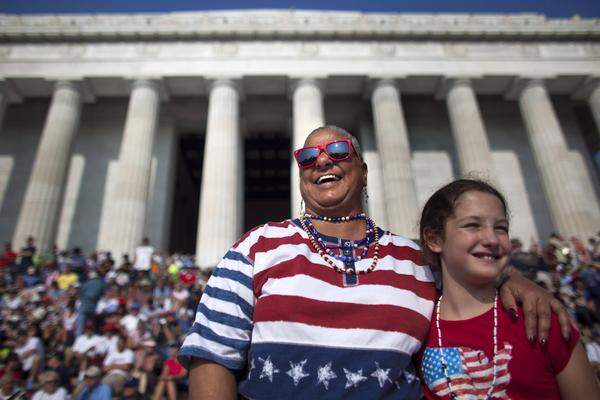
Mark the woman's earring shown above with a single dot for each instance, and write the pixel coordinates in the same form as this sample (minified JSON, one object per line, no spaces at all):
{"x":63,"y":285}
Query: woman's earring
{"x":365,"y":193}
{"x":302,"y":208}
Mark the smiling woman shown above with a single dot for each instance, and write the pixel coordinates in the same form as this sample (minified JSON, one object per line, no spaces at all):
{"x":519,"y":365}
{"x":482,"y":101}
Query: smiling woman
{"x":324,"y":306}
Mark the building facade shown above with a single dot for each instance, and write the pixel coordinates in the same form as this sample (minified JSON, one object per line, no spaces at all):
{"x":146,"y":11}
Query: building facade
{"x":180,"y":126}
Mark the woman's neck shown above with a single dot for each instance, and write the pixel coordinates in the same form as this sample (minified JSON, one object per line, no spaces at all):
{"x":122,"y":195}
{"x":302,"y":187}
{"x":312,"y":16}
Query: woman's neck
{"x":463,"y":301}
{"x":353,"y":230}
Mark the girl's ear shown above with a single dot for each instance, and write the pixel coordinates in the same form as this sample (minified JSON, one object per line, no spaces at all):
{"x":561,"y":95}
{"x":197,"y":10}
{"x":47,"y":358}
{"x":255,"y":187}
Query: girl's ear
{"x":433,"y":241}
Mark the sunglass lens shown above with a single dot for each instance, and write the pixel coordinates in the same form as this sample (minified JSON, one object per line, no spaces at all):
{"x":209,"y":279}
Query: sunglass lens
{"x":338,"y":150}
{"x":307,"y":155}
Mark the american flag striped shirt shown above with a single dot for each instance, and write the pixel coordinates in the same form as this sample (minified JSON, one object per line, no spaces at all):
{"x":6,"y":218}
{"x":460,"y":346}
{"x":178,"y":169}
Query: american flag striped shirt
{"x":293,"y":327}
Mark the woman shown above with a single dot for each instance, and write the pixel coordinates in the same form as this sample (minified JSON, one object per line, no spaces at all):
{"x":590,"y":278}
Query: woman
{"x":325,"y":306}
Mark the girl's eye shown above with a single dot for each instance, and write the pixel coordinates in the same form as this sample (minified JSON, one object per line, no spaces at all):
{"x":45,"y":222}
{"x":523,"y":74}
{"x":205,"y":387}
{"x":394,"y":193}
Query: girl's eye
{"x":471,"y":225}
{"x":502,"y":228}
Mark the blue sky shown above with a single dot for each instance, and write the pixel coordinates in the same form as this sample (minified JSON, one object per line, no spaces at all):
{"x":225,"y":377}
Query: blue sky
{"x":551,"y":8}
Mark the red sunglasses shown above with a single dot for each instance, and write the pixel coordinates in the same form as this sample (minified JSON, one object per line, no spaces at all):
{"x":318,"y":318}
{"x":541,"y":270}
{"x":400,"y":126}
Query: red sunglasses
{"x":336,"y":150}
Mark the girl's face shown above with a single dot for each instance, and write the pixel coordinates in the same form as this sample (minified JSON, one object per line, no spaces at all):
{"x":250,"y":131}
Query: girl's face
{"x":476,"y":245}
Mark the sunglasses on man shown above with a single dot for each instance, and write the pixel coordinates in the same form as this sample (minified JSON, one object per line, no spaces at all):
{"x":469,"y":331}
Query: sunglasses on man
{"x":336,"y":150}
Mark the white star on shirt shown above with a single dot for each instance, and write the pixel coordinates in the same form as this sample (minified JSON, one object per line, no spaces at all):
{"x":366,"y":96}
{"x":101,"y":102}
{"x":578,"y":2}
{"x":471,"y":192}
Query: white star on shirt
{"x":268,"y":369}
{"x":381,"y":374}
{"x":325,"y":374}
{"x":354,"y":378}
{"x":296,"y":371}
{"x":409,"y":376}
{"x":252,"y":366}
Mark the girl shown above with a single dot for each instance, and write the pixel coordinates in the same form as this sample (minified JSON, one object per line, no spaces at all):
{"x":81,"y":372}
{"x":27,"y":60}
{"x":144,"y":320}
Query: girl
{"x":475,"y":350}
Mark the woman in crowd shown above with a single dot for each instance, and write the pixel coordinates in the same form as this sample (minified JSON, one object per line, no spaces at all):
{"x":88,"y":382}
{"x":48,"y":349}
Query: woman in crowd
{"x":474,"y":348}
{"x":324,"y":306}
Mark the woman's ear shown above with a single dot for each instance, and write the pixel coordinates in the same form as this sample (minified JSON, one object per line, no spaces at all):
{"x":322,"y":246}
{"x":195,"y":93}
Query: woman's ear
{"x":433,"y":240}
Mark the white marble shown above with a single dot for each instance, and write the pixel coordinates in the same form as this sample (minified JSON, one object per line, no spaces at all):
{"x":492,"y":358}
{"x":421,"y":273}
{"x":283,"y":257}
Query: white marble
{"x":564,"y":191}
{"x":394,"y":150}
{"x":594,"y":102}
{"x":39,"y":213}
{"x":134,"y":168}
{"x":375,"y":184}
{"x":221,"y":210}
{"x":307,"y":114}
{"x":472,"y":146}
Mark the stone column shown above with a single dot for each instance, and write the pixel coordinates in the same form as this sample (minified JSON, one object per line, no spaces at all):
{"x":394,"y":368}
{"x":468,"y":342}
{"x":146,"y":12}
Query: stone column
{"x":394,"y":150}
{"x":43,"y":197}
{"x":134,"y":169}
{"x":308,"y":115}
{"x":3,"y":102}
{"x":221,"y":199}
{"x":469,"y":132}
{"x":375,"y":188}
{"x":594,"y":102}
{"x":563,"y":190}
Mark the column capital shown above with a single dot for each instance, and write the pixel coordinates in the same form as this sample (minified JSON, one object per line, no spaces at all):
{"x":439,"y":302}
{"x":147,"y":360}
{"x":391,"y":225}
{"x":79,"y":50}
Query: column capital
{"x":520,"y":83}
{"x":10,"y":91}
{"x":79,"y":85}
{"x":296,"y":82}
{"x":373,"y":83}
{"x":156,"y":84}
{"x":586,"y":88}
{"x":447,"y":83}
{"x":234,"y":83}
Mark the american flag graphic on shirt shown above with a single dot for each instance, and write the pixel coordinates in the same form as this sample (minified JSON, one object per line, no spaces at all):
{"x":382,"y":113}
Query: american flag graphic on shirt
{"x":470,"y":372}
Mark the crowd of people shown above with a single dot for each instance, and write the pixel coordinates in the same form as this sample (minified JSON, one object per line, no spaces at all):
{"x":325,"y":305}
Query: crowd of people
{"x":91,"y":328}
{"x":570,"y":269}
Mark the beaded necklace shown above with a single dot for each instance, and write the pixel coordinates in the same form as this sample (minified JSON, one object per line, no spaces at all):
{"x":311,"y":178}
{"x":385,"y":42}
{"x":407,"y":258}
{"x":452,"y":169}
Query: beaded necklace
{"x":328,"y":255}
{"x":336,"y":219}
{"x":445,"y":366}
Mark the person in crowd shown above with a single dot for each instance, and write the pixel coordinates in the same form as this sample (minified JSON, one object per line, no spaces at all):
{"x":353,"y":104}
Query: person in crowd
{"x":131,"y":321}
{"x":66,"y":278}
{"x":8,"y":260}
{"x":93,"y":388}
{"x":10,"y":389}
{"x":55,"y":362}
{"x":31,"y":353}
{"x":143,"y":257}
{"x":131,"y":390}
{"x":592,"y":348}
{"x":26,"y":255}
{"x":117,"y":366}
{"x":325,"y":306}
{"x":172,"y":374}
{"x":474,"y":346}
{"x":86,"y":344}
{"x":90,"y":293}
{"x":50,"y":388}
{"x":107,"y":342}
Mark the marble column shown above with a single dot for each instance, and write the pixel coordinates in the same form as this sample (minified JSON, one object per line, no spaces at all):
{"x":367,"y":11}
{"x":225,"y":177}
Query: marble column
{"x":564,"y":193}
{"x":43,"y":197}
{"x":594,"y":102}
{"x":394,"y":150}
{"x":221,"y":199}
{"x":308,"y":114}
{"x":3,"y":103}
{"x":376,"y":203}
{"x":472,"y":146}
{"x":134,"y":169}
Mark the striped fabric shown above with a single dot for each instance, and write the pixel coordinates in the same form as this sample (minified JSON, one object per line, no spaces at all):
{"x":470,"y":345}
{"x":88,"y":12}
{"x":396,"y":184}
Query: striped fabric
{"x":275,"y":310}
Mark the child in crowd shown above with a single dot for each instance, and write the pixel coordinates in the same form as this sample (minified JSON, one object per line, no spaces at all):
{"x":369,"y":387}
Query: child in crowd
{"x":475,"y":350}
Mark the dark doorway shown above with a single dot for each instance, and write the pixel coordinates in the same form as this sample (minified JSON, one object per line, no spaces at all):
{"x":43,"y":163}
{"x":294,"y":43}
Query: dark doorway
{"x":186,"y":200}
{"x":266,"y":185}
{"x":267,"y":179}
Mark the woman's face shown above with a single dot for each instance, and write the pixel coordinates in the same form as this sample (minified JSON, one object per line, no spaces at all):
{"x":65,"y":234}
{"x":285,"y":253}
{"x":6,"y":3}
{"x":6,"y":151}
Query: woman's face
{"x":339,"y":196}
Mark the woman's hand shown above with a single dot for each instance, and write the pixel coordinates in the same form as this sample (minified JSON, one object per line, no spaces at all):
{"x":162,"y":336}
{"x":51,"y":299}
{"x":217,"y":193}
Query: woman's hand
{"x":537,"y":306}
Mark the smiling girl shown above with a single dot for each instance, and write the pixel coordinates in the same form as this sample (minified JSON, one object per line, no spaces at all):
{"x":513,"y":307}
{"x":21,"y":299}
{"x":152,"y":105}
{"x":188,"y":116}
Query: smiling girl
{"x":475,"y":350}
